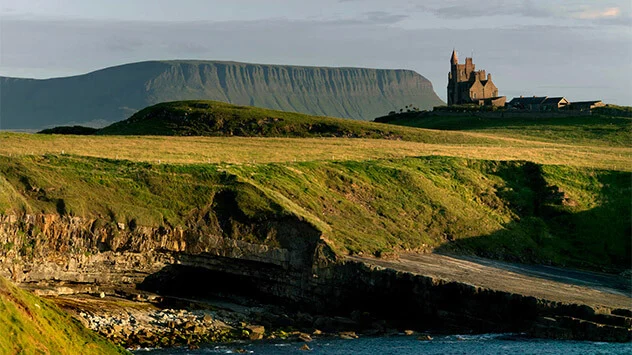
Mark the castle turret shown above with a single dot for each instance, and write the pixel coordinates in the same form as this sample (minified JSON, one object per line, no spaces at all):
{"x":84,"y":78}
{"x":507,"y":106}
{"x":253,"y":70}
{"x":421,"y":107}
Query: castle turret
{"x":453,"y":79}
{"x":467,"y":85}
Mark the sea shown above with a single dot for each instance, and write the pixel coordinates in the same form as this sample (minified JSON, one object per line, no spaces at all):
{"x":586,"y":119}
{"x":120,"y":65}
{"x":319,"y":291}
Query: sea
{"x":400,"y":345}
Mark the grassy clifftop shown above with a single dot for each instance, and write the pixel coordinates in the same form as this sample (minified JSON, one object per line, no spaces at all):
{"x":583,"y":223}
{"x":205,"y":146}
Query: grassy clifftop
{"x":507,"y":210}
{"x":30,"y":325}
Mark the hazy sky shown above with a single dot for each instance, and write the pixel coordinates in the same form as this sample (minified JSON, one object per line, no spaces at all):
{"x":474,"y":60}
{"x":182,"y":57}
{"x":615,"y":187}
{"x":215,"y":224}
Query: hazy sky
{"x":578,"y":49}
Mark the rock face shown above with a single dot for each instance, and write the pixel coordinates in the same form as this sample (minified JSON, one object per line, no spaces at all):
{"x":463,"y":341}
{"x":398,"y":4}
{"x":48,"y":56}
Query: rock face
{"x":115,"y":93}
{"x":297,"y":269}
{"x":81,"y":250}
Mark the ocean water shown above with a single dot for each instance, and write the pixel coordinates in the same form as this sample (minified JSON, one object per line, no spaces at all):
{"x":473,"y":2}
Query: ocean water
{"x":399,"y":345}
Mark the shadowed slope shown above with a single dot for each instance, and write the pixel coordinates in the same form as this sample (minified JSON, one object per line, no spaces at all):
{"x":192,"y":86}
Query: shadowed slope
{"x":212,"y":118}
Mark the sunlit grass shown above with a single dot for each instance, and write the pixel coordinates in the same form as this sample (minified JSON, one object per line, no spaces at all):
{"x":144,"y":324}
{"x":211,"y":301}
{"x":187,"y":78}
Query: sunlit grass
{"x":254,"y":150}
{"x":30,"y":325}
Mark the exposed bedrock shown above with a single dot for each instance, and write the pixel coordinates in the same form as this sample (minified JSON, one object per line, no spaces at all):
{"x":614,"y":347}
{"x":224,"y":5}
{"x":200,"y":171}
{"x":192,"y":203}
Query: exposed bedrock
{"x":283,"y":260}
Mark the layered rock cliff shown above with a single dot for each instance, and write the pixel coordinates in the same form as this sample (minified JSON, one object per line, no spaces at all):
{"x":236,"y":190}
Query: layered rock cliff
{"x":284,"y":232}
{"x":77,"y":255}
{"x":115,"y":93}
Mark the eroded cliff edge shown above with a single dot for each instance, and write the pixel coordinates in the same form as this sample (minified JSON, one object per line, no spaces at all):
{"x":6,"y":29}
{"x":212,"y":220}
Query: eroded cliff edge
{"x":83,"y":259}
{"x":240,"y":236}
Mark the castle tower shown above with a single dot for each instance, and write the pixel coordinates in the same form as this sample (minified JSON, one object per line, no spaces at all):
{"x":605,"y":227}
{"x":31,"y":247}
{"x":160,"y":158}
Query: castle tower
{"x":466,"y":85}
{"x":453,"y":79}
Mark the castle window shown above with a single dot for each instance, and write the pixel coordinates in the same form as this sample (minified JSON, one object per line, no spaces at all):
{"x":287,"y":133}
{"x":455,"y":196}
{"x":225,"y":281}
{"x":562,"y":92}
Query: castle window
{"x":473,"y":95}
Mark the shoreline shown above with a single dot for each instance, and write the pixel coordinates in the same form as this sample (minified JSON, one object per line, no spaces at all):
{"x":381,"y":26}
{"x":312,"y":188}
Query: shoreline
{"x":298,"y":286}
{"x":138,"y":319}
{"x":176,"y":322}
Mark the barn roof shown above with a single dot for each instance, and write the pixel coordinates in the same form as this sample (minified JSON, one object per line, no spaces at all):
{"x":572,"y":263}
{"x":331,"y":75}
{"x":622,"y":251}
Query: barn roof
{"x":553,"y":100}
{"x":535,"y":100}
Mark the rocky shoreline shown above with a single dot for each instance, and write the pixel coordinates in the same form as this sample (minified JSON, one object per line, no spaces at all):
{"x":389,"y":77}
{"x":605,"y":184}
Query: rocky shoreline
{"x":141,"y":323}
{"x":292,"y":286}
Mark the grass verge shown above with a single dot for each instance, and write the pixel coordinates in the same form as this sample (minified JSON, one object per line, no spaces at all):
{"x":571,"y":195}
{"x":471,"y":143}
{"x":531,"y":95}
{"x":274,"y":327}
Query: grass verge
{"x":30,"y":325}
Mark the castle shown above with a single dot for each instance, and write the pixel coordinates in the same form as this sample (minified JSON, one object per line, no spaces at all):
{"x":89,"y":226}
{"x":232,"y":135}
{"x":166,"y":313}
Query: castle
{"x":468,"y":86}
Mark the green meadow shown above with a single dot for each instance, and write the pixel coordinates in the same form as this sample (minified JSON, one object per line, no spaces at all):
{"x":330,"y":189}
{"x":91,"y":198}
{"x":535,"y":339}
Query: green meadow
{"x":374,"y":189}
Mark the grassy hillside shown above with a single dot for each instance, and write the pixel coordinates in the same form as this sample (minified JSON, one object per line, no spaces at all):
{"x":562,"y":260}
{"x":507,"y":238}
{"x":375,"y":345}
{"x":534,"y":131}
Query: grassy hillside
{"x":533,"y":199}
{"x":508,"y":210}
{"x":582,"y":130}
{"x":113,"y":94}
{"x":30,"y":325}
{"x":212,"y":118}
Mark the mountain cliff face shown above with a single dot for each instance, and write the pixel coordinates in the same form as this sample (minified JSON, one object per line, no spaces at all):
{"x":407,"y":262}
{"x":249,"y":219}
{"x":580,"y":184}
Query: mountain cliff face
{"x":113,"y":94}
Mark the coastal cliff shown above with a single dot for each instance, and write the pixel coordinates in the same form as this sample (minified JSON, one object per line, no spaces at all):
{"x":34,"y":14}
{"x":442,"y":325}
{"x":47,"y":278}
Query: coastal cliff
{"x":115,"y":93}
{"x":311,"y":236}
{"x":70,"y":255}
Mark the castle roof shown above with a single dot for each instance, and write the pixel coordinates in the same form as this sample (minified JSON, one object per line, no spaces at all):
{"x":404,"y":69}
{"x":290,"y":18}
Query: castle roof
{"x":454,"y":59}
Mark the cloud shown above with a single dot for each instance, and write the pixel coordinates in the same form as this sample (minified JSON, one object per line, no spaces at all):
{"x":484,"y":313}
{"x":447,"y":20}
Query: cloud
{"x":382,"y":17}
{"x":610,"y":16}
{"x":370,"y":18}
{"x":610,"y":13}
{"x":597,"y":14}
{"x":450,"y":9}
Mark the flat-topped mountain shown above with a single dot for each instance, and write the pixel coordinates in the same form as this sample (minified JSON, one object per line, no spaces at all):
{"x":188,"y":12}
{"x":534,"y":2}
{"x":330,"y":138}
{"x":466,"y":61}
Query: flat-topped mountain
{"x":115,"y":93}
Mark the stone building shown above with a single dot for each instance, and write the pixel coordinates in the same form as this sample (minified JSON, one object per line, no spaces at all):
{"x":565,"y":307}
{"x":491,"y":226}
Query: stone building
{"x":466,"y":85}
{"x":586,"y":105}
{"x":539,"y":103}
{"x":555,"y":103}
{"x":527,"y":103}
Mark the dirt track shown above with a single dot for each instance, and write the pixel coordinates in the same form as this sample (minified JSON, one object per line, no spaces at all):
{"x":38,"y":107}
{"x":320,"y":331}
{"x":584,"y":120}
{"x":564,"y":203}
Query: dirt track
{"x":550,"y":283}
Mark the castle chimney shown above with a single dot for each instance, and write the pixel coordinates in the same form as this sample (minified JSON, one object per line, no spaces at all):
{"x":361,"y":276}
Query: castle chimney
{"x":489,"y":77}
{"x":522,"y":97}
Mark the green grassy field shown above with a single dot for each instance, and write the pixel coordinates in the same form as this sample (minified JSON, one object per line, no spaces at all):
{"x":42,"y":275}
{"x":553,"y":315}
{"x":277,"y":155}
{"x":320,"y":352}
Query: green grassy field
{"x":255,"y":150}
{"x":599,"y":130}
{"x":30,"y":325}
{"x":524,"y":197}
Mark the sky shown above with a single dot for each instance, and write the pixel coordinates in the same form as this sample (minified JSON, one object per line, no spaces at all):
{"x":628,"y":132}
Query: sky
{"x":578,"y":49}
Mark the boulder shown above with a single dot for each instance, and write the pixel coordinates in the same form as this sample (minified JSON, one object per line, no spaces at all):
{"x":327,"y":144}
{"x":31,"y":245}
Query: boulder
{"x":348,"y":335}
{"x":256,"y":331}
{"x":305,"y":337}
